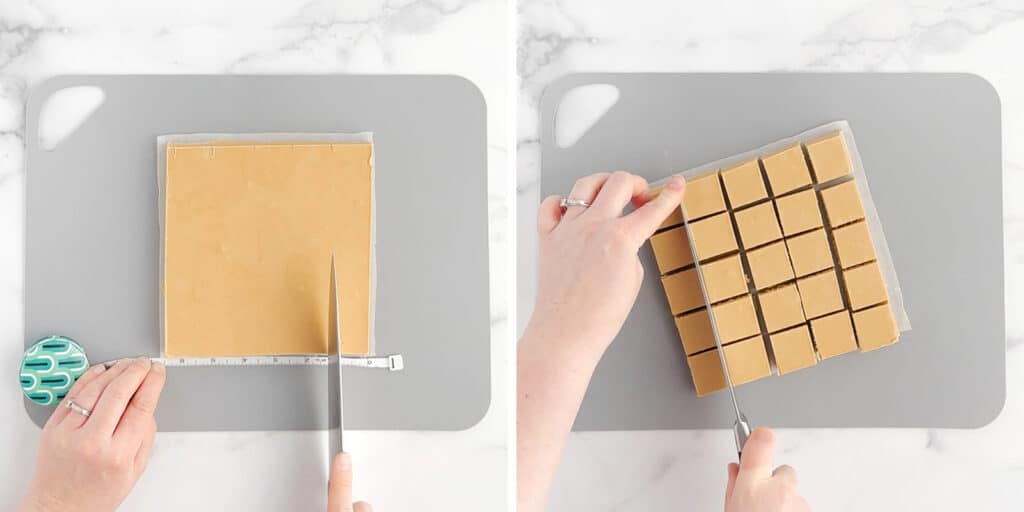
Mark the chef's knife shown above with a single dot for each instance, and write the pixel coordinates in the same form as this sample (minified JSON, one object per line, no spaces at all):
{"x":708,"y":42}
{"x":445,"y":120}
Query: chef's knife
{"x":335,"y":398}
{"x":741,"y":428}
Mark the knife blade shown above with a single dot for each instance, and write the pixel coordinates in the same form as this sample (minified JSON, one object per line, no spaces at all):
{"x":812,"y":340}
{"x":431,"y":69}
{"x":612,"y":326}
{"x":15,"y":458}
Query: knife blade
{"x":335,"y":396}
{"x":741,"y":427}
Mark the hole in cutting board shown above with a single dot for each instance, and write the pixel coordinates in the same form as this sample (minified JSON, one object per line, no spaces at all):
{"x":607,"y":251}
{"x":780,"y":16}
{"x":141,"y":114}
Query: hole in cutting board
{"x":65,"y":111}
{"x":580,"y":109}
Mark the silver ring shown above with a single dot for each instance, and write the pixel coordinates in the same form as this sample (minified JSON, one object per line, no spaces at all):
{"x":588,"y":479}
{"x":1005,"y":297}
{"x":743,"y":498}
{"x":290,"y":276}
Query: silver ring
{"x":70,"y":404}
{"x":567,"y":202}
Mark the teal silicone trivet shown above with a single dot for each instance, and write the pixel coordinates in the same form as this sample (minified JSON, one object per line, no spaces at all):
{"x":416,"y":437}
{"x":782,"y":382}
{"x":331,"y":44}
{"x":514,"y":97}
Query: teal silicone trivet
{"x":50,"y":367}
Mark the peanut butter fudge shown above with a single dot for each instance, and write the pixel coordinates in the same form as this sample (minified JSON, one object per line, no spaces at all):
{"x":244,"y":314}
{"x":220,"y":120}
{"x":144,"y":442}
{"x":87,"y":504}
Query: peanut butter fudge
{"x":799,"y":212}
{"x":743,"y":184}
{"x":833,"y":334}
{"x":842,"y":203}
{"x":757,"y":225}
{"x":829,"y":157}
{"x":769,"y":265}
{"x":793,"y":349}
{"x":786,"y":170}
{"x":703,"y":196}
{"x":875,"y":327}
{"x":671,"y":249}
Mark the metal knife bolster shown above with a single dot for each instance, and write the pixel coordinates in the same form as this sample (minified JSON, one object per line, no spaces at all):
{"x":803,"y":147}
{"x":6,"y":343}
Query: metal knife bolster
{"x":741,"y":430}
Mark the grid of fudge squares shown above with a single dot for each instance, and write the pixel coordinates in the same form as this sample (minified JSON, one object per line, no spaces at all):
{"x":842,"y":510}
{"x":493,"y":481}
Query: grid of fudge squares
{"x":788,"y":264}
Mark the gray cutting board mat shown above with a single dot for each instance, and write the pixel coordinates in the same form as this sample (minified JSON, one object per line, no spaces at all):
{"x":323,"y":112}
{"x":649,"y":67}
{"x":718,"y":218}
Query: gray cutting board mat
{"x":92,"y":242}
{"x":931,"y":147}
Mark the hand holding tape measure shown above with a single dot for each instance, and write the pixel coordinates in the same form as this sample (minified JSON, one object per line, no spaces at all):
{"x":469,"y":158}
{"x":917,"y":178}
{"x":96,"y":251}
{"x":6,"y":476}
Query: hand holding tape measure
{"x":97,"y":441}
{"x":96,"y":445}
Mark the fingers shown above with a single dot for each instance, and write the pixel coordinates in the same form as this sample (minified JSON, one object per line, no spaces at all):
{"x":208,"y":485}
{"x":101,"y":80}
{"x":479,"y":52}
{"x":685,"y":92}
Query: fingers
{"x":586,"y":188}
{"x":91,"y":392}
{"x":137,"y":419}
{"x":734,"y":469}
{"x":786,"y":474}
{"x":114,"y":399}
{"x":646,"y":219}
{"x":617,"y":192}
{"x":339,"y":487}
{"x":361,"y":506}
{"x":61,"y":411}
{"x":758,"y":456}
{"x":548,"y":214}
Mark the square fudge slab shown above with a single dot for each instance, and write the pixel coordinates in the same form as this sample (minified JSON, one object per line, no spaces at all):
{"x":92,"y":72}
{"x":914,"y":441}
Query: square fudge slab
{"x":757,"y":225}
{"x":793,"y":349}
{"x":695,"y":331}
{"x":819,"y":294}
{"x":781,"y":307}
{"x":769,"y":265}
{"x":809,"y":252}
{"x":853,"y":244}
{"x":747,"y":360}
{"x":249,"y":228}
{"x":713,"y":236}
{"x":743,"y":184}
{"x":703,"y":196}
{"x":706,"y":371}
{"x":724,"y":278}
{"x":875,"y":327}
{"x":842,"y":203}
{"x":864,"y":286}
{"x":786,"y":170}
{"x":736,"y":320}
{"x":683,"y":291}
{"x":799,"y":212}
{"x":829,"y":157}
{"x":671,"y":249}
{"x":833,"y":334}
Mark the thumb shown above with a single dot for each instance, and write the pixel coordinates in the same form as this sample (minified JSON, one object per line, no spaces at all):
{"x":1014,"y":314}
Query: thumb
{"x":644,"y":221}
{"x":339,"y":487}
{"x":758,"y":457}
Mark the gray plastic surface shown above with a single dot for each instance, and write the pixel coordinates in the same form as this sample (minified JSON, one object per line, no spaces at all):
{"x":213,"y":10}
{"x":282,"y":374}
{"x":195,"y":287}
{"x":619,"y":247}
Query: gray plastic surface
{"x":931,"y":148}
{"x":92,"y":242}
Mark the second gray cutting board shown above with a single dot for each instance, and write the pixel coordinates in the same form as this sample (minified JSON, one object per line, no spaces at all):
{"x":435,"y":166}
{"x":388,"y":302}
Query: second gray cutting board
{"x":931,"y":147}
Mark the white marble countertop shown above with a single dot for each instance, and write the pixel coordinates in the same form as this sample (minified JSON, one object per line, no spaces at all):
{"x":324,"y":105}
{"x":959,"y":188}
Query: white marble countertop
{"x":839,"y":469}
{"x":268,"y":470}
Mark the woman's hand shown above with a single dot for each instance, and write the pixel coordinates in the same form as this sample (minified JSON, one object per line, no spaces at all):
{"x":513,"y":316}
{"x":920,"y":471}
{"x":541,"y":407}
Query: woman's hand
{"x":753,"y":485}
{"x":589,"y":277}
{"x":589,"y":273}
{"x":91,"y":463}
{"x":339,"y":487}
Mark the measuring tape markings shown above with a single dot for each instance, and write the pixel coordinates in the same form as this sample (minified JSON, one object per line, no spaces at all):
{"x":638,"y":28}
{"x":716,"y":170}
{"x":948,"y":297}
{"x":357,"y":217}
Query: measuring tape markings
{"x":392,"y":362}
{"x":52,"y":364}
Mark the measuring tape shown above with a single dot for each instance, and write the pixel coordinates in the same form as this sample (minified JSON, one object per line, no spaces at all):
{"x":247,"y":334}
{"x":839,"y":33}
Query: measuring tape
{"x":391,"y":363}
{"x":53,"y":363}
